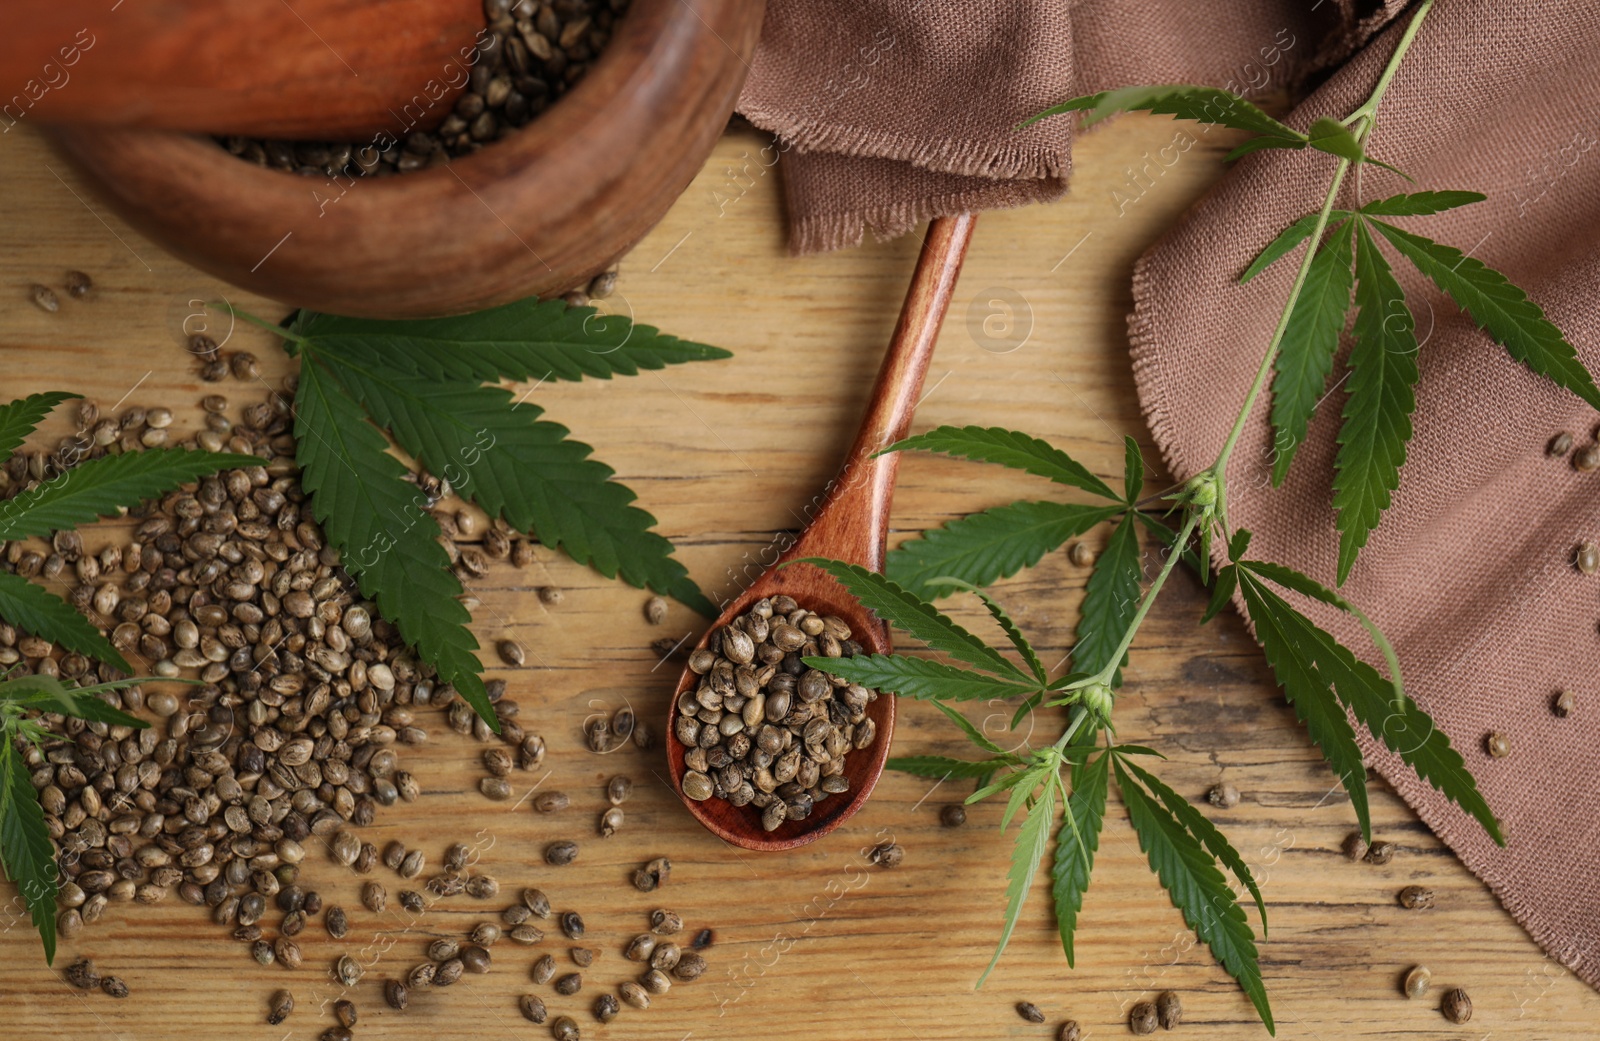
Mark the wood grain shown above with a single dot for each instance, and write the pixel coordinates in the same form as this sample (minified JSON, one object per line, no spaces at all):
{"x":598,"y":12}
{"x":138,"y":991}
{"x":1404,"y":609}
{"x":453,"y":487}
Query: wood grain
{"x":541,"y":212}
{"x":317,"y":69}
{"x":851,"y":525}
{"x":812,"y":943}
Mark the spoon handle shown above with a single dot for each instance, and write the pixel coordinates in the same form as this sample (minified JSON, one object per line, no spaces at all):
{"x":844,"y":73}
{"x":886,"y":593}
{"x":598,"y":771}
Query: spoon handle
{"x":853,"y":524}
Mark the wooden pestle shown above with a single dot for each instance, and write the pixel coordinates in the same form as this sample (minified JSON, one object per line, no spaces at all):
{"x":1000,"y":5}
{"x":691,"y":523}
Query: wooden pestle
{"x":304,"y":69}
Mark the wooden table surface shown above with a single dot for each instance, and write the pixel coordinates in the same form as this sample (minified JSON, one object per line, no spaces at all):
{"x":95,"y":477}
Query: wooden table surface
{"x":810,"y":944}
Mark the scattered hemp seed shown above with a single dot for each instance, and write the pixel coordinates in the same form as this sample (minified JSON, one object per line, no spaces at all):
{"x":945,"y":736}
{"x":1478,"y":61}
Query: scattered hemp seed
{"x":953,"y":816}
{"x":1456,"y":1006}
{"x":511,"y":653}
{"x":606,"y":1008}
{"x":655,"y":610}
{"x":1559,"y":445}
{"x":544,"y":970}
{"x":45,"y":298}
{"x":279,"y":1007}
{"x":569,"y":984}
{"x":1381,"y":853}
{"x":1355,"y":847}
{"x":1080,"y":554}
{"x":887,"y":855}
{"x":1586,"y":459}
{"x":79,"y":284}
{"x":113,"y":987}
{"x":1030,"y":1012}
{"x":1070,"y":1031}
{"x":1169,"y":1009}
{"x":1417,"y":981}
{"x":1497,"y":745}
{"x":565,"y":1028}
{"x":1142,"y":1018}
{"x":396,"y":995}
{"x":1223,"y":796}
{"x":1586,"y":557}
{"x":560,"y":854}
{"x":1415,"y":898}
{"x":618,"y":789}
{"x":345,"y":1012}
{"x":1563,"y":703}
{"x":550,"y":596}
{"x":532,"y":1007}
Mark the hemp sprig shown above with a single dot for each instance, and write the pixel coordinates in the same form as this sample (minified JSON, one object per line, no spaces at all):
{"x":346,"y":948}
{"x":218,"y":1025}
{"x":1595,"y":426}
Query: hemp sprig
{"x":424,"y":382}
{"x":1327,"y":685}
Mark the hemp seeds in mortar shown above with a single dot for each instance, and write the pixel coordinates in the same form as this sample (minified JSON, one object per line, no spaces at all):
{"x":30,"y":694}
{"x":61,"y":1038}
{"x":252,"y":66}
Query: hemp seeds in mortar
{"x":763,"y":729}
{"x":528,"y":56}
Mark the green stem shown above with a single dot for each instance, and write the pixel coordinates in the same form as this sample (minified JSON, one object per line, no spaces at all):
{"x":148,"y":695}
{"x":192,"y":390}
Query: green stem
{"x":271,"y":327}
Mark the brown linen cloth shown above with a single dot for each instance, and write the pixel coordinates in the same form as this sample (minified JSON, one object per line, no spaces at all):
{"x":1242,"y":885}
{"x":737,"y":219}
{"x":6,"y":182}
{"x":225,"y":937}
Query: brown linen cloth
{"x":1470,"y":572}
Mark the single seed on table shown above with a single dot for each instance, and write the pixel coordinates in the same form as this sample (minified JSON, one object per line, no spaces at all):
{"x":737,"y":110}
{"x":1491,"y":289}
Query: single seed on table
{"x":243,"y":365}
{"x":702,"y":939}
{"x":1355,"y":847}
{"x":482,"y":887}
{"x":535,"y":901}
{"x":656,"y":981}
{"x":114,"y":987}
{"x":690,"y":967}
{"x":618,"y":789}
{"x":1456,"y":1006}
{"x":444,"y":949}
{"x":484,"y":934}
{"x":448,"y":972}
{"x":1169,"y":1009}
{"x":582,"y":957}
{"x":394,"y":854}
{"x":572,"y":924}
{"x":1563,"y":703}
{"x":497,"y":761}
{"x":569,"y":984}
{"x":1559,"y":445}
{"x":666,"y":956}
{"x":1070,"y":1031}
{"x":633,"y":994}
{"x":1497,"y":745}
{"x":610,"y":822}
{"x":1417,"y":981}
{"x":1587,"y":459}
{"x":1080,"y":554}
{"x":345,"y":1012}
{"x":640,"y":947}
{"x":1587,"y":558}
{"x":655,"y":610}
{"x":953,"y":815}
{"x":511,"y":652}
{"x":664,"y":922}
{"x":412,"y":901}
{"x":560,"y":854}
{"x":475,"y":959}
{"x":396,"y":995}
{"x":564,"y":1028}
{"x":262,"y":951}
{"x":549,"y":595}
{"x":603,"y":284}
{"x":1381,"y":853}
{"x":347,"y":970}
{"x":551,"y":802}
{"x":887,"y":854}
{"x":421,"y":975}
{"x":544,"y":969}
{"x":79,"y":284}
{"x":495,"y":788}
{"x":336,"y":1034}
{"x":526,"y":935}
{"x":288,"y":952}
{"x":1415,"y":898}
{"x":1030,"y":1012}
{"x":1223,"y":796}
{"x":374,"y":897}
{"x":81,"y":974}
{"x":532,"y":1008}
{"x":1142,"y":1018}
{"x":606,"y":1008}
{"x":45,"y":298}
{"x":279,"y":1007}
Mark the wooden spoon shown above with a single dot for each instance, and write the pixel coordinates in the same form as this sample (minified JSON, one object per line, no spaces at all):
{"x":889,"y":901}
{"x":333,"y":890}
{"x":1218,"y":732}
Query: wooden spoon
{"x":853,"y":526}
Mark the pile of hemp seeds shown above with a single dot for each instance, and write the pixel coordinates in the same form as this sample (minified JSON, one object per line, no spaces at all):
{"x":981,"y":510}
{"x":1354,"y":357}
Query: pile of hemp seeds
{"x":761,"y":728}
{"x":291,"y":744}
{"x":531,"y":53}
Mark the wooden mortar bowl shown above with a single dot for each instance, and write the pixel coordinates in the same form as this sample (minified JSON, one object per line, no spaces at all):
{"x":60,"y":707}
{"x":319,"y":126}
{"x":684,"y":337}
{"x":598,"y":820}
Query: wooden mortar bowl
{"x":537,"y":213}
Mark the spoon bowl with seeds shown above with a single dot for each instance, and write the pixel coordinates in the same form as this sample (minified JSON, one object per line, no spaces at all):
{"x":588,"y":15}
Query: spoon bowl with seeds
{"x":765,"y":752}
